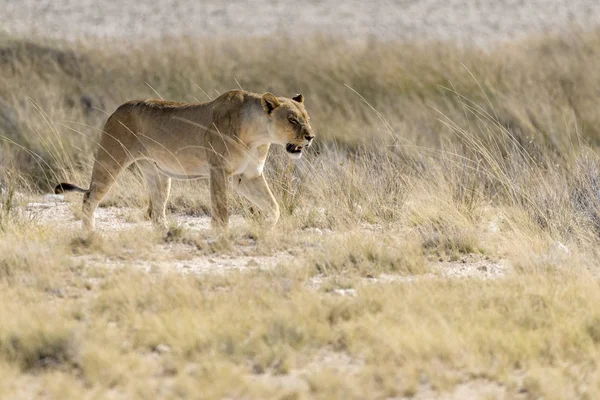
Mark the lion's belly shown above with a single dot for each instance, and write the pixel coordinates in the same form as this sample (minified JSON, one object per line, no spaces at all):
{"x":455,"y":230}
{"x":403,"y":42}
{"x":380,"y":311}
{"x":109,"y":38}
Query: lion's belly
{"x":181,"y":172}
{"x":185,"y":163}
{"x":186,"y":166}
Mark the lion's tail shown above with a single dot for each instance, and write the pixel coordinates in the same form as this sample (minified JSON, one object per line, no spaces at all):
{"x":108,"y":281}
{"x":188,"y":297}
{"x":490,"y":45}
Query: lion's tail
{"x":68,"y":187}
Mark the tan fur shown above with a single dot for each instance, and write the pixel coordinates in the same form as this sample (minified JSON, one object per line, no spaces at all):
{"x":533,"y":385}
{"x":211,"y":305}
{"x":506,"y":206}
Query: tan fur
{"x":227,"y":137}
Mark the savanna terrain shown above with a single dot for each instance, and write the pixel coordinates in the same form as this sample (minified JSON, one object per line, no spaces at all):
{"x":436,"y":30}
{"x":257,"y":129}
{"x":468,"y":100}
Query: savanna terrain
{"x":439,"y":240}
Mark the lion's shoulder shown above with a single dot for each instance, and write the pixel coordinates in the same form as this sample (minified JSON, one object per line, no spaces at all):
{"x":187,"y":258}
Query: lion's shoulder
{"x":230,"y":104}
{"x":236,"y":96}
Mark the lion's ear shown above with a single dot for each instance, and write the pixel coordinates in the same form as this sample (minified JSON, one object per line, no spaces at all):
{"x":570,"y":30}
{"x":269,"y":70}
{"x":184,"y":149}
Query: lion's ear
{"x":269,"y":102}
{"x":299,"y":98}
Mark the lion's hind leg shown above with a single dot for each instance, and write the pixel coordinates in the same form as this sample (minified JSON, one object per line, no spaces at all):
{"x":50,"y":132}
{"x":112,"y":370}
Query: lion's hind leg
{"x":114,"y":155}
{"x":104,"y":176}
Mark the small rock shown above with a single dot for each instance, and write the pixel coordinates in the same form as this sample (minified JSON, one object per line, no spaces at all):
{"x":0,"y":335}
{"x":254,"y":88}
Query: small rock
{"x":162,"y":348}
{"x":252,"y":263}
{"x":483,"y":268}
{"x":57,"y":197}
{"x":41,"y":206}
{"x":561,"y":247}
{"x":315,"y":231}
{"x":493,"y":228}
{"x":345,"y":292}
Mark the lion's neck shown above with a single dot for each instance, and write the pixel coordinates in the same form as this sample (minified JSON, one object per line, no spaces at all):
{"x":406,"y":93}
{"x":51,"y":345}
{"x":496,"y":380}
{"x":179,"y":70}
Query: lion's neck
{"x":254,"y":130}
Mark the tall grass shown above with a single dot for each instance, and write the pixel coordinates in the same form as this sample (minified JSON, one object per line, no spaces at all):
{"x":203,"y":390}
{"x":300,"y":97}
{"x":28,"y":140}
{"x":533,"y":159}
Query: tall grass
{"x":423,"y":153}
{"x":512,"y":127}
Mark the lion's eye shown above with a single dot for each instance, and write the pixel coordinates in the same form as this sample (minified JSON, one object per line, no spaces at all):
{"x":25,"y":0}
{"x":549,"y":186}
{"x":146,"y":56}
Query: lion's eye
{"x":293,"y":120}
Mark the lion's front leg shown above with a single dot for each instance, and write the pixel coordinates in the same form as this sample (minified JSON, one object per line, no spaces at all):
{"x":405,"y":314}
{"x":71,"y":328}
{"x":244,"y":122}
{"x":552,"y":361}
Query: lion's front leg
{"x":257,"y":191}
{"x":218,"y":197}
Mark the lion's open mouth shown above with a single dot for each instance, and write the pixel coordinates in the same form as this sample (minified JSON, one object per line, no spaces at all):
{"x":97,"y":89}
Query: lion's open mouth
{"x":293,"y":148}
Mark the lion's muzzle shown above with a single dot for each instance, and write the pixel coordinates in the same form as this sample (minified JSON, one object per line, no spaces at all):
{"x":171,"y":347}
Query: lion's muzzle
{"x":293,"y":148}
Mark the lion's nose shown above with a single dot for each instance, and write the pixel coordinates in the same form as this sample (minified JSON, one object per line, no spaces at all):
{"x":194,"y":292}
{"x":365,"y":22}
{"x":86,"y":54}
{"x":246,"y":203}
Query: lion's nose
{"x":309,"y":137}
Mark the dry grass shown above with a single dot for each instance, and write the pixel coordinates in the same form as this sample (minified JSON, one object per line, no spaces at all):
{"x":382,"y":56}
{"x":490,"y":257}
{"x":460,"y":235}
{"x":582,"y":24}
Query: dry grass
{"x":425,"y":153}
{"x":126,"y":333}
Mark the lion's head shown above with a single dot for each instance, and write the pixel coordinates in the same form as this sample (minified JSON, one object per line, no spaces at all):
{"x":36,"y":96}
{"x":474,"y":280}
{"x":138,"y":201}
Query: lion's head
{"x":288,"y":123}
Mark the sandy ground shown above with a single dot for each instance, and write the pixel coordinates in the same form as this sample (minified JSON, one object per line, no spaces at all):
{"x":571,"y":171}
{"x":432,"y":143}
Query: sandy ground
{"x":55,"y":210}
{"x":464,"y":21}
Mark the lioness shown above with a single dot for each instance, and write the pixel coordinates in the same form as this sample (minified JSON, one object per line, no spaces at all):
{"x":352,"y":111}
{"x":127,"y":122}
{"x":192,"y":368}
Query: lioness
{"x":226,"y":137}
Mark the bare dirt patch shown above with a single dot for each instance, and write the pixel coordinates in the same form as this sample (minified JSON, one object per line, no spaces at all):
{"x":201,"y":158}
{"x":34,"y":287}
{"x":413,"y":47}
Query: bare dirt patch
{"x":167,"y":257}
{"x":54,"y":210}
